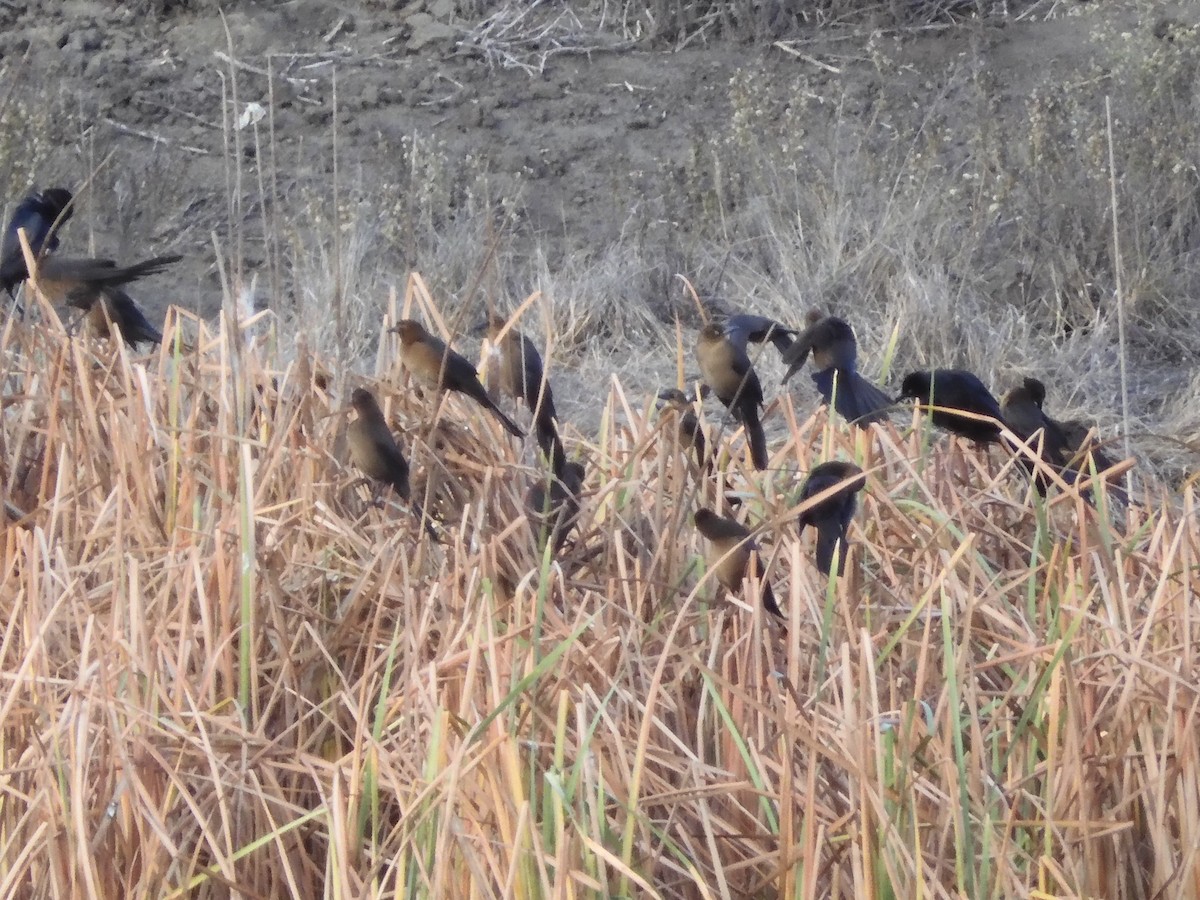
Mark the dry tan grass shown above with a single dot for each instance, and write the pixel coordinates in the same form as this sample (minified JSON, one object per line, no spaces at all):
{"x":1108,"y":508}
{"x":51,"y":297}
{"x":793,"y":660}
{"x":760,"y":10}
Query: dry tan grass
{"x":226,"y":674}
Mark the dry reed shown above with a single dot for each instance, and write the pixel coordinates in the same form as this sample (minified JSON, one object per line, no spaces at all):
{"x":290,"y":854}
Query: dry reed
{"x":227,"y":674}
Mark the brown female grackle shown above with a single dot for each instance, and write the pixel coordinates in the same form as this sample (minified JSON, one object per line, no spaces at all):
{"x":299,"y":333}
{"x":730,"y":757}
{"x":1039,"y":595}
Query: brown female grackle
{"x":730,"y":548}
{"x":435,"y":365}
{"x":727,"y":370}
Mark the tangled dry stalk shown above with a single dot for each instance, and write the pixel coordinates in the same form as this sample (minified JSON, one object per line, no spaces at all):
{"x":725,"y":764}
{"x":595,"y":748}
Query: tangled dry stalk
{"x":227,"y":674}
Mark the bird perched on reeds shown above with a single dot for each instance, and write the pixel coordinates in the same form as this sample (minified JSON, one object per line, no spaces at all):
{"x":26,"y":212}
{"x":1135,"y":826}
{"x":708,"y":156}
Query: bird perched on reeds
{"x":1065,"y":446}
{"x":746,"y":328}
{"x":834,"y":351}
{"x":552,"y":514}
{"x":726,"y":369}
{"x":950,"y":391}
{"x":1076,"y":433}
{"x":434,"y":365}
{"x":729,"y":553}
{"x":831,"y":516}
{"x":677,"y":407}
{"x":116,"y":309}
{"x":522,"y":375}
{"x":375,"y":453}
{"x":373,"y":447}
{"x":36,"y":213}
{"x":1021,"y":411}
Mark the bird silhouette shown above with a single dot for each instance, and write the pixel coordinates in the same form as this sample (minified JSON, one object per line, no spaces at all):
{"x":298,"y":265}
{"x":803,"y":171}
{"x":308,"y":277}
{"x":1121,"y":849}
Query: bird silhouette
{"x":552,"y":514}
{"x":1077,"y":434}
{"x":522,"y":375}
{"x":373,"y":448}
{"x":374,"y":451}
{"x":95,"y":287}
{"x":676,"y":406}
{"x":1021,"y":410}
{"x":1065,"y":446}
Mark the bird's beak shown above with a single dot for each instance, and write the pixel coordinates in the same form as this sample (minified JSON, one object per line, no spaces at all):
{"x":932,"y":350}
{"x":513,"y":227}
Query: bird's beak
{"x":665,"y":399}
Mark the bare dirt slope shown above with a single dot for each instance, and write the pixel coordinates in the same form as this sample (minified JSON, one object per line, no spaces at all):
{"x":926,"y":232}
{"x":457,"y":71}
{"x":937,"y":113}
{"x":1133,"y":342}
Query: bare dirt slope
{"x":595,"y":169}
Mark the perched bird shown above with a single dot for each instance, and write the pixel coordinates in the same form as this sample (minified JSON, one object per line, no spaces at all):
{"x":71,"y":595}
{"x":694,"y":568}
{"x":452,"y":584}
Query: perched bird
{"x":676,"y":409}
{"x":834,"y":351}
{"x":1077,"y":434}
{"x":116,"y":308}
{"x":1065,"y":446}
{"x":37,"y":213}
{"x":1021,"y":410}
{"x":553,"y":514}
{"x":676,"y":405}
{"x":726,"y":535}
{"x":948,"y":391}
{"x":522,"y":375}
{"x":726,"y":369}
{"x":373,"y":449}
{"x":831,"y":517}
{"x":435,"y":365}
{"x":745,"y":328}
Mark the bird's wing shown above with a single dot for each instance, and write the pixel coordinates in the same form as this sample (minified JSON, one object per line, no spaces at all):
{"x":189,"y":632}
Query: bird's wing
{"x":30,"y":217}
{"x":745,"y":328}
{"x":816,"y":484}
{"x":391,"y":452}
{"x":797,"y":354}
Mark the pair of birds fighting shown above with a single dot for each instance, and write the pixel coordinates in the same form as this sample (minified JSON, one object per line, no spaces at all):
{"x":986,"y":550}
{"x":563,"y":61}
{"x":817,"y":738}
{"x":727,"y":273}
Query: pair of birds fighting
{"x":725,"y":367}
{"x":94,"y":286}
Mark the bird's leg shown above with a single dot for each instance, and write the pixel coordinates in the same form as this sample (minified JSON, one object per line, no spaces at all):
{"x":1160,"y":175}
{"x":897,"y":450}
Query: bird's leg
{"x":74,"y":323}
{"x":424,"y":519}
{"x":376,"y":500}
{"x":12,"y":295}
